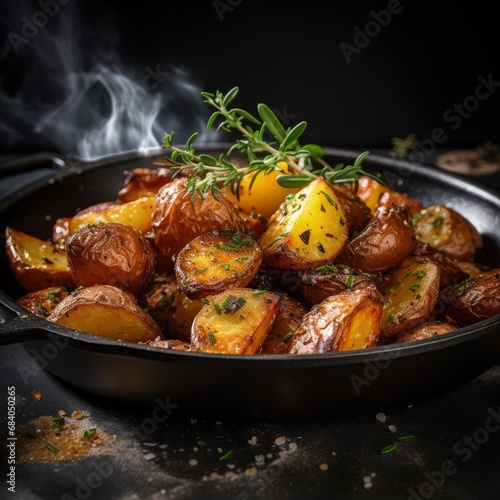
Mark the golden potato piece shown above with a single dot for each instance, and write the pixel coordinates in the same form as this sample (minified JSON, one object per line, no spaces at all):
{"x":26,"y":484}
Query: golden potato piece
{"x":235,"y":321}
{"x":181,"y":316}
{"x":343,"y":322}
{"x":475,"y":299}
{"x":111,"y":254}
{"x":143,"y":182}
{"x":217,"y":260}
{"x":448,"y":231}
{"x":282,"y":331}
{"x":386,"y":241}
{"x":426,"y":330}
{"x":106,"y":311}
{"x":179,"y":216}
{"x":135,"y":213}
{"x":36,"y":263}
{"x":410,"y":293}
{"x":309,"y":229}
{"x":43,"y":302}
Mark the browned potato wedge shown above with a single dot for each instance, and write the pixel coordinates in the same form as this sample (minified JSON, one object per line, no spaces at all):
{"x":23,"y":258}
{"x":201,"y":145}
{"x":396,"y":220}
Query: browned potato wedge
{"x":383,"y":244}
{"x":278,"y":339}
{"x":448,"y":231}
{"x":182,"y":313}
{"x":106,"y":311}
{"x":343,"y":322}
{"x":36,"y":263}
{"x":179,"y":216}
{"x":410,"y":293}
{"x":235,"y":321}
{"x":216,"y":261}
{"x":308,"y":229}
{"x":330,"y":279}
{"x":391,"y":198}
{"x":43,"y":302}
{"x":475,"y":299}
{"x":174,"y":344}
{"x":426,"y":330}
{"x":111,"y":254}
{"x":357,"y":214}
{"x":470,"y":269}
{"x":135,"y":213}
{"x":143,"y":182}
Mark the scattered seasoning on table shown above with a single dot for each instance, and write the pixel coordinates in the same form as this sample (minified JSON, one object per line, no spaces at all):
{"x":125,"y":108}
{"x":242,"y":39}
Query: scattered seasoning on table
{"x":78,"y":414}
{"x":280,"y":441}
{"x":51,"y":439}
{"x":323,"y":466}
{"x":381,"y":417}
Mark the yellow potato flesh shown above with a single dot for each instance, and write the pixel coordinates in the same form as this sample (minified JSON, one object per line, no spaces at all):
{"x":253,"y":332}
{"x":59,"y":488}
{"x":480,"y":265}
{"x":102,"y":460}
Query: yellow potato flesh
{"x":363,"y":329}
{"x":135,"y":213}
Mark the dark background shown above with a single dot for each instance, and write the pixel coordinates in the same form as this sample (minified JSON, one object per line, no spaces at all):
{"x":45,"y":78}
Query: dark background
{"x":406,"y":78}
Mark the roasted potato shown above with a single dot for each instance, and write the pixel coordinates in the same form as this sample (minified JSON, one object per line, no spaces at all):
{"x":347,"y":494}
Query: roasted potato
{"x":448,"y":231}
{"x":106,"y":311}
{"x":43,"y":302}
{"x":236,"y":321}
{"x":346,"y":321}
{"x":391,"y":199}
{"x":181,"y":316}
{"x":410,"y":294}
{"x":135,"y":213}
{"x":179,"y":216}
{"x":111,"y":254}
{"x":308,"y":229}
{"x":36,"y":263}
{"x":283,"y":328}
{"x":217,"y":260}
{"x":426,"y":330}
{"x":261,"y":194}
{"x":475,"y":299}
{"x":357,"y":214}
{"x":328,"y":280}
{"x":385,"y":242}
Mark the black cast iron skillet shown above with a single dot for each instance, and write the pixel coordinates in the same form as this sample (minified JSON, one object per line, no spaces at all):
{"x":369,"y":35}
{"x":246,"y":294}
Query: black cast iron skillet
{"x":264,"y":387}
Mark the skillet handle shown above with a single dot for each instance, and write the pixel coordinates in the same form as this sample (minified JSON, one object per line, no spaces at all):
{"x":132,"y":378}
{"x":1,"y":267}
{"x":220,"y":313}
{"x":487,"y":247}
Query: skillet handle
{"x":19,"y":325}
{"x":34,"y":161}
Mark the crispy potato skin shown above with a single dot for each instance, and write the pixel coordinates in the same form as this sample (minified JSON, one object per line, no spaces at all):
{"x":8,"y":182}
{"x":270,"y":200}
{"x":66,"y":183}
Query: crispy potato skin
{"x":357,"y":214}
{"x":217,"y":260}
{"x":426,"y":330}
{"x":36,"y":263}
{"x":316,"y":286}
{"x":391,"y":199}
{"x":476,"y":299}
{"x":180,"y":216}
{"x":111,"y":254}
{"x":106,"y":311}
{"x":386,"y":241}
{"x":282,"y":331}
{"x":448,"y":231}
{"x":346,"y":321}
{"x":43,"y":302}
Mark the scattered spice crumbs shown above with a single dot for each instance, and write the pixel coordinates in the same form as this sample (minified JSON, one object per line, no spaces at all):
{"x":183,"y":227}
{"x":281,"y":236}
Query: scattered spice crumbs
{"x":61,"y":438}
{"x":37,"y":395}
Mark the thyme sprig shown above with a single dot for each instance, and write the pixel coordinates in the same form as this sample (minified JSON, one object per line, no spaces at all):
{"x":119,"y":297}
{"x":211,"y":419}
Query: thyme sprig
{"x":305,"y":162}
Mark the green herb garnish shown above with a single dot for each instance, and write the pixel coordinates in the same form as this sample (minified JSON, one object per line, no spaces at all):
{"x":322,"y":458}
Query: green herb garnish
{"x":226,"y":455}
{"x":89,"y":432}
{"x":52,"y":448}
{"x":305,"y":161}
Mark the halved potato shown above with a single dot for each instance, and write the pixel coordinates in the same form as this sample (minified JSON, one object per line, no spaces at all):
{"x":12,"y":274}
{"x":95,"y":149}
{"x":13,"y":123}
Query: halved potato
{"x":106,"y":311}
{"x":182,"y":312}
{"x":135,"y":213}
{"x":111,"y":254}
{"x":343,"y":322}
{"x":410,"y":293}
{"x":383,"y":244}
{"x":217,"y":260}
{"x":36,"y":263}
{"x":43,"y":302}
{"x":235,"y":321}
{"x":143,"y":182}
{"x":262,"y":195}
{"x":308,"y":229}
{"x":448,"y":231}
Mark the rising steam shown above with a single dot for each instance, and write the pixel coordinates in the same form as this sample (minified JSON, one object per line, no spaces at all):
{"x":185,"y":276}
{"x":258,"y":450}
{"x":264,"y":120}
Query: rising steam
{"x":59,"y":95}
